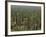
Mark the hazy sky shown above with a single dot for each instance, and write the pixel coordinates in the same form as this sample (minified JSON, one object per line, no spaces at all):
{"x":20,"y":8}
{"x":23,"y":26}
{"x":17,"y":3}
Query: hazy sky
{"x":26,"y":7}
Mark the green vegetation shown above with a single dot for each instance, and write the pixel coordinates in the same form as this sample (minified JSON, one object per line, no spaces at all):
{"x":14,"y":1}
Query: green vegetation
{"x":25,"y":18}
